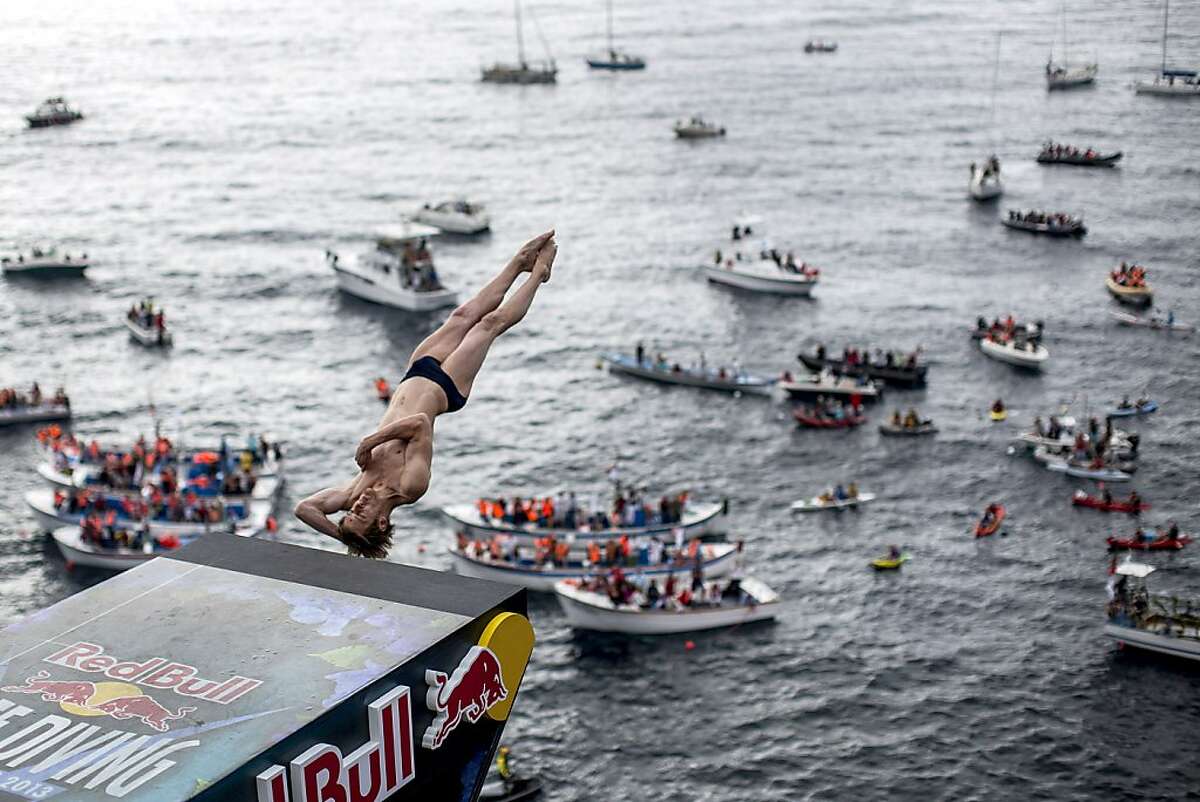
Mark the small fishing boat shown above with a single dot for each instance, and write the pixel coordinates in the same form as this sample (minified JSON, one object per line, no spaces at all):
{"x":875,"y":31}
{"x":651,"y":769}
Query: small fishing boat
{"x":829,"y":503}
{"x":1170,"y":83}
{"x":1159,"y":543}
{"x":718,"y":558}
{"x":811,"y":419}
{"x":1058,"y":464}
{"x":1144,"y":406}
{"x":115,"y":556}
{"x":820,"y":46}
{"x":455,"y":217}
{"x":1052,"y":154}
{"x":1026,"y":354}
{"x":1154,"y":622}
{"x":34,"y":413}
{"x":697,"y":518}
{"x":590,"y":610}
{"x":240,"y":517}
{"x":762,"y":275}
{"x":1131,"y":505}
{"x":149,"y":336}
{"x":1063,"y":77}
{"x":990,"y":524}
{"x":705,"y":378}
{"x":827,"y":385}
{"x":1153,"y":322}
{"x":697,"y":128}
{"x":893,"y":373}
{"x":1140,"y":295}
{"x":523,"y":71}
{"x":613,"y":59}
{"x":1051,"y":225}
{"x":44,"y":263}
{"x":398,"y":272}
{"x":925,"y":427}
{"x":888,"y":563}
{"x":53,"y":111}
{"x":985,"y":183}
{"x":1019,"y":331}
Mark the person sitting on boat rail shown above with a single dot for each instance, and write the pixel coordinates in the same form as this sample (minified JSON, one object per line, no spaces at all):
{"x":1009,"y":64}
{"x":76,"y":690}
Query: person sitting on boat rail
{"x":395,"y":460}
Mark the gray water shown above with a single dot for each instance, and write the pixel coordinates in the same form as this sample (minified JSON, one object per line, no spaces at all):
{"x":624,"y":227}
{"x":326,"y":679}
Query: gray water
{"x":228,"y":144}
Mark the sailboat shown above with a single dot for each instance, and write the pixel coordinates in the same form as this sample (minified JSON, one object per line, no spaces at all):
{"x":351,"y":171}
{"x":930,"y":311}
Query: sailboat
{"x":1174,"y":83}
{"x":614,"y":59}
{"x":1062,"y":76}
{"x":985,"y":181}
{"x":523,"y":72}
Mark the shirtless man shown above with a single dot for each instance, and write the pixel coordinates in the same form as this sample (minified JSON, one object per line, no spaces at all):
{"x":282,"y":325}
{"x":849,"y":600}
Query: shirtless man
{"x":395,"y":460}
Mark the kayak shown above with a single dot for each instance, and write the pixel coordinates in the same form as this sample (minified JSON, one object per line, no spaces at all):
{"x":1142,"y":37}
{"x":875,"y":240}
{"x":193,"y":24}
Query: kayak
{"x":996,"y":417}
{"x":816,"y":504}
{"x":982,"y":530}
{"x":889,"y":564}
{"x":1158,"y":544}
{"x":1139,"y":409}
{"x":1082,"y":499}
{"x":925,"y":427}
{"x":810,"y":421}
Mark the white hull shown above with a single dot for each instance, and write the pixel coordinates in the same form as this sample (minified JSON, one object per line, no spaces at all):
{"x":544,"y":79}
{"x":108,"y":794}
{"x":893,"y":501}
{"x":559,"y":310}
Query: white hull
{"x":842,"y":390}
{"x":1032,"y":360}
{"x":817,"y":505}
{"x":718,"y":563}
{"x":42,"y":414}
{"x":1081,"y":76}
{"x":76,"y":551}
{"x":1126,"y":319}
{"x":697,"y":519}
{"x":41,"y":503}
{"x":148,"y":337}
{"x":1060,"y":465}
{"x":370,"y":290}
{"x":266,"y":488}
{"x":45,"y":268}
{"x":591,"y":611}
{"x":761,"y":279}
{"x":983,"y":189}
{"x":453,"y":222}
{"x":1151,"y":641}
{"x":1177,"y":89}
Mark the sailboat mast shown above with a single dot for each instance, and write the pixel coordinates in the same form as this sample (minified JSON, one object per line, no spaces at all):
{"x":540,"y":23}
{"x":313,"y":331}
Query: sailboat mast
{"x":1066,"y":58}
{"x":995,"y":81}
{"x":1166,"y":16}
{"x":610,"y":44}
{"x":520,"y":38}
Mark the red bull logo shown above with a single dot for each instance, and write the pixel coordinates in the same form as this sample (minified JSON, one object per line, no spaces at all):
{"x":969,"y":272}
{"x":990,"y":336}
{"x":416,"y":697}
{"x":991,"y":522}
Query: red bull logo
{"x":118,"y":700}
{"x":371,"y":773}
{"x":474,"y":687}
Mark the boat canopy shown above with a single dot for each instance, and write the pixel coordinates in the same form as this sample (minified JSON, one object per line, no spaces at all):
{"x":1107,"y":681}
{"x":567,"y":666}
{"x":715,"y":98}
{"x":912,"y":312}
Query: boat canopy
{"x":1139,"y":570}
{"x":410,"y":232}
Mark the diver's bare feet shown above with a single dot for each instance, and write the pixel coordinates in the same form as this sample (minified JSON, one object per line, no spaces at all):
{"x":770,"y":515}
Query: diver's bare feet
{"x":544,"y":263}
{"x":525,"y":258}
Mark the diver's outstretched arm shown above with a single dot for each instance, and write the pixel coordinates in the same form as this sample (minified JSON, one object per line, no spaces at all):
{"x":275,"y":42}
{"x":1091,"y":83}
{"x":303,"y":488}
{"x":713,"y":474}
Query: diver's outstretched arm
{"x":410,"y":427}
{"x":315,"y":509}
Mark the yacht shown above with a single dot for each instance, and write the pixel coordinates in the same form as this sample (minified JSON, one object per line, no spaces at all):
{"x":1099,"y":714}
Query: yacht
{"x":455,"y":217}
{"x":53,"y":111}
{"x":1170,"y":83}
{"x":397,"y":272}
{"x":613,"y":59}
{"x":523,"y":72}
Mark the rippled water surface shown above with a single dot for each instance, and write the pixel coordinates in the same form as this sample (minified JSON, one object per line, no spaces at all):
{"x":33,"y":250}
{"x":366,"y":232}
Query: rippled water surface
{"x":228,"y":144}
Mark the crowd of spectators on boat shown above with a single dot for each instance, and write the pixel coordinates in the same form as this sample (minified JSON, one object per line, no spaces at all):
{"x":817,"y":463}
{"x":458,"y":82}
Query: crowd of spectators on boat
{"x":855,"y":358}
{"x":831,"y":410}
{"x":659,"y":362}
{"x":1094,"y":447}
{"x":550,"y":551}
{"x":784,"y":261}
{"x":910,"y":420}
{"x":103,"y":532}
{"x":146,"y":316}
{"x":416,"y":267}
{"x":1127,"y":275}
{"x":1051,"y":219}
{"x":1003,"y":330}
{"x":673,"y":594}
{"x":1056,"y":150}
{"x":13,"y":399}
{"x":630,"y":509}
{"x":151,"y":505}
{"x":839,"y":493}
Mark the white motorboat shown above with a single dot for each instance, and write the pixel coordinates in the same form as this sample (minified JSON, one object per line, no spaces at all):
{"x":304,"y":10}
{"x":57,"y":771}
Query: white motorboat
{"x":613,"y":59}
{"x":985,"y":183}
{"x":53,"y":111}
{"x":455,"y":217}
{"x":823,"y":503}
{"x":729,"y":381}
{"x":148,"y":336}
{"x":77,"y":551}
{"x":1023,"y":354}
{"x":523,"y":71}
{"x":697,"y":128}
{"x":698,"y":517}
{"x":87,"y":477}
{"x":46,"y":263}
{"x":30,"y":413}
{"x":588,"y":610}
{"x":1170,"y":83}
{"x":1061,"y":464}
{"x":719,"y":559}
{"x":1154,"y":622}
{"x":398,"y":272}
{"x":1153,"y":322}
{"x":827,"y":385}
{"x":242,"y":518}
{"x":762,"y":275}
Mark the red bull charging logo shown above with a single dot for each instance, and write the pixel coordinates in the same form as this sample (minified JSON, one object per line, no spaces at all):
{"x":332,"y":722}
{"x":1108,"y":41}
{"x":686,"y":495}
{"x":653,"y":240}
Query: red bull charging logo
{"x":120,"y":700}
{"x":474,"y":687}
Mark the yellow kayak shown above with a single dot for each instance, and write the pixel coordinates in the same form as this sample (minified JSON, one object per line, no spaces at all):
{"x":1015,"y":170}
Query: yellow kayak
{"x":998,"y":416}
{"x":887,"y":563}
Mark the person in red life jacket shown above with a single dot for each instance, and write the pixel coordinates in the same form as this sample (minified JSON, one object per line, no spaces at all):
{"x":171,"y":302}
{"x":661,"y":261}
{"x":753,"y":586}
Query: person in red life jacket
{"x":396,"y":460}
